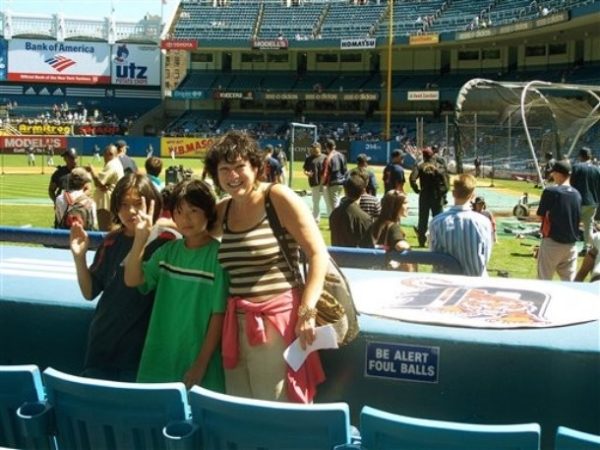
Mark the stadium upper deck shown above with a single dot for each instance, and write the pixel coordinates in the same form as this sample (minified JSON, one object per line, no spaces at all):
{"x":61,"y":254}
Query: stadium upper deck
{"x":315,"y":20}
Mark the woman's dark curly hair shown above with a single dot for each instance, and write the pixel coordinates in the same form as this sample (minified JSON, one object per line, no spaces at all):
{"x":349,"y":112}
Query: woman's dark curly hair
{"x":197,"y":193}
{"x":231,"y":146}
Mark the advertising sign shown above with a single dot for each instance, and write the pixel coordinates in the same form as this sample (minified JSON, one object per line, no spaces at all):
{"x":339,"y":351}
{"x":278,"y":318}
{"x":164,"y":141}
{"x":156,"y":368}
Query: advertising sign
{"x":39,"y":61}
{"x":179,"y":44}
{"x":423,"y":96}
{"x":19,"y":144}
{"x":185,"y":147}
{"x":424,"y":39}
{"x":269,"y":44}
{"x":43,"y":128}
{"x":3,"y":59}
{"x":355,"y":44}
{"x":135,"y":65}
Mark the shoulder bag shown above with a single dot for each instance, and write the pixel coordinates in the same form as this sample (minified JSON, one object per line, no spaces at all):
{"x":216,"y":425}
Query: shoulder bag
{"x":335,"y":305}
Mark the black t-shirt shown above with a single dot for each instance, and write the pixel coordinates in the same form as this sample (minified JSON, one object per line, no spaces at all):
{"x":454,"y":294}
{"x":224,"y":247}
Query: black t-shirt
{"x":314,"y":164}
{"x":350,"y":226}
{"x":560,"y":209}
{"x":586,"y":179}
{"x":393,"y":174}
{"x":128,"y":164}
{"x":118,"y":329}
{"x":59,"y":179}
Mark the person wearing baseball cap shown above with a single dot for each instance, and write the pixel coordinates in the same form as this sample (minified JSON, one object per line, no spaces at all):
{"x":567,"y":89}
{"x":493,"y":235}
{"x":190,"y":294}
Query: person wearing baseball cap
{"x":430,"y":180}
{"x":128,"y":163}
{"x":559,"y":212}
{"x":393,"y":173}
{"x":586,"y":179}
{"x":362,"y":163}
{"x":58,"y":180}
{"x":480,"y":206}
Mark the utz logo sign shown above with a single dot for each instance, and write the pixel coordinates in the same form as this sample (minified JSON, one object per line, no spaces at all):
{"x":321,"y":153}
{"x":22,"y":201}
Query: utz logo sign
{"x":137,"y":65}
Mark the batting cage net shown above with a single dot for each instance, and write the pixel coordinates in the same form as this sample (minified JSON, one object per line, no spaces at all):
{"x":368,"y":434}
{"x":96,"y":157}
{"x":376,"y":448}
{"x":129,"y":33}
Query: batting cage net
{"x":514,"y":127}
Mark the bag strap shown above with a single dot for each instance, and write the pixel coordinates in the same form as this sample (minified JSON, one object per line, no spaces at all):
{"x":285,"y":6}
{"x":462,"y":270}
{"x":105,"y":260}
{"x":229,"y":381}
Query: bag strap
{"x":279,"y":232}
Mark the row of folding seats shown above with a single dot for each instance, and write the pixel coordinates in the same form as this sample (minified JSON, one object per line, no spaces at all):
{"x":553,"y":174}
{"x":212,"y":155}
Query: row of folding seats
{"x":70,"y":412}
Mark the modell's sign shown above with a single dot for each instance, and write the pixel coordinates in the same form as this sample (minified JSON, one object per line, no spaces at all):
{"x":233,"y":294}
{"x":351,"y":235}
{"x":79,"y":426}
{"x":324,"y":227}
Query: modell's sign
{"x":421,"y":96}
{"x":18,"y":144}
{"x":270,"y":44}
{"x":179,"y":44}
{"x":353,"y":44}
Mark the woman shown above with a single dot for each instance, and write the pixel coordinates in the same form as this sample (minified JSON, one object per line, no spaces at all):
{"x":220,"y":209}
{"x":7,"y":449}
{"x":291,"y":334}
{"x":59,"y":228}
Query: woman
{"x":261,"y":284}
{"x":386,"y":231}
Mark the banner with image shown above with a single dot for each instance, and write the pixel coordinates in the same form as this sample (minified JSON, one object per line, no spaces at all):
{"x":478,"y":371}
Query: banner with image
{"x":135,"y":65}
{"x":44,"y":61}
{"x":476,"y":302}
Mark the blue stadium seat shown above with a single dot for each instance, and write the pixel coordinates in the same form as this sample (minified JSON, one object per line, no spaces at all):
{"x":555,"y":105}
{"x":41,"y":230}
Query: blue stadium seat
{"x":18,"y":385}
{"x":385,"y":431}
{"x":569,"y":439}
{"x":234,"y":422}
{"x":98,"y":414}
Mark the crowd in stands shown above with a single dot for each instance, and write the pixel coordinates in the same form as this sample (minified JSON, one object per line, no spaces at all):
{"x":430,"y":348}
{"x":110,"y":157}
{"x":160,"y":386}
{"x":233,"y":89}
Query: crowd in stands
{"x":64,"y":118}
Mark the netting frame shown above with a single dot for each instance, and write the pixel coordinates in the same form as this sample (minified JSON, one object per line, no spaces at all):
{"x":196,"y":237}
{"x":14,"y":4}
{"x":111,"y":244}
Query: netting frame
{"x":527,"y":89}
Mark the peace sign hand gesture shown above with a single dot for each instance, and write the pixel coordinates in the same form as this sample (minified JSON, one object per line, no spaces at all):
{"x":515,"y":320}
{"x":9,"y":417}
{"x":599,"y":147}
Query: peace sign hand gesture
{"x":144,"y":219}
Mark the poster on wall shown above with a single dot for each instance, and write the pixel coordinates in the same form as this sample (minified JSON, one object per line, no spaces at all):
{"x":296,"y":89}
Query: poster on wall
{"x":3,"y":59}
{"x":40,"y":61}
{"x":135,"y":65}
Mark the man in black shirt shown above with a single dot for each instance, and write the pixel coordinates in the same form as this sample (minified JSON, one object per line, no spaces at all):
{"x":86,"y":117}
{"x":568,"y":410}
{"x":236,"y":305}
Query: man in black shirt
{"x":559,"y":211}
{"x":348,"y":223}
{"x":58,"y":180}
{"x":128,"y":163}
{"x":586,"y":179}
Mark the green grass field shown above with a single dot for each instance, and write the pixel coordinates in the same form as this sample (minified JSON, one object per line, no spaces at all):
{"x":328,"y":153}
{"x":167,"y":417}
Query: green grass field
{"x":24,"y":202}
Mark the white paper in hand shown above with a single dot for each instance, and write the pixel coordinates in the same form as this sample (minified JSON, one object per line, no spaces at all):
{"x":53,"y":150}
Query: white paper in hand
{"x":325,"y":338}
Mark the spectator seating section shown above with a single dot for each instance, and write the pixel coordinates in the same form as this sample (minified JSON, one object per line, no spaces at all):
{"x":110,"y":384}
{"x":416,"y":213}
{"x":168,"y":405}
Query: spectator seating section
{"x":352,"y":21}
{"x":337,"y":20}
{"x":18,"y":385}
{"x":267,"y":425}
{"x":569,"y":439}
{"x":290,"y":23}
{"x":90,"y":413}
{"x":381,"y":430}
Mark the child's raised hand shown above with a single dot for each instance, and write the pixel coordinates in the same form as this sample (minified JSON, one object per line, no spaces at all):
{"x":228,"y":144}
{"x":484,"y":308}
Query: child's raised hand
{"x":78,"y":239}
{"x":145,"y":217}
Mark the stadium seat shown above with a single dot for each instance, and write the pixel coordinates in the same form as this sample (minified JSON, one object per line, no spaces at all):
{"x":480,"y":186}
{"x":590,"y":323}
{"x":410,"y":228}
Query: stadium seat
{"x":98,"y":414}
{"x":569,"y":439}
{"x":234,"y":422}
{"x":18,"y":385}
{"x":381,"y":430}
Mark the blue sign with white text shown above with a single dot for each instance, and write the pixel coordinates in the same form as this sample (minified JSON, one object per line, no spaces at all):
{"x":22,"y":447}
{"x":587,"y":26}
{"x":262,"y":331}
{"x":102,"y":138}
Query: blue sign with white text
{"x":402,"y":362}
